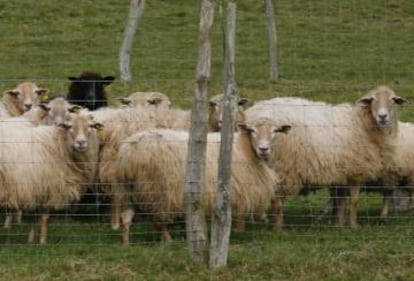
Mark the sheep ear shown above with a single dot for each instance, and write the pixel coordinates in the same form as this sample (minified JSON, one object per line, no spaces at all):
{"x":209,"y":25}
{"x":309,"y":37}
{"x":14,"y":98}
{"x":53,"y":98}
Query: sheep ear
{"x":155,"y":101}
{"x":13,"y":93}
{"x":243,"y":102}
{"x":283,"y":129}
{"x":64,"y":126}
{"x":245,"y":127}
{"x":399,"y":100}
{"x":43,"y":94}
{"x":212,"y":103}
{"x":75,"y":109}
{"x":73,"y":78}
{"x":108,"y":80}
{"x":124,"y":100}
{"x":42,"y":91}
{"x":365,"y":101}
{"x":44,"y":107}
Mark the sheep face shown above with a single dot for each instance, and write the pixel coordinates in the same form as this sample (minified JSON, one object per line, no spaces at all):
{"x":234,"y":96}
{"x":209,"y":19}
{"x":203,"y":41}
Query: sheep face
{"x":87,"y":90}
{"x":57,"y":110}
{"x":216,"y":105}
{"x":383,"y":104}
{"x":78,"y":128}
{"x":263,"y":135}
{"x":145,"y":99}
{"x":25,"y":95}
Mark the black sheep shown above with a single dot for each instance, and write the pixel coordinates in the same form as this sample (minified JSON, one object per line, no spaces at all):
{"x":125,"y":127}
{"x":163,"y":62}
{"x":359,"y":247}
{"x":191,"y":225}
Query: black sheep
{"x":88,"y":90}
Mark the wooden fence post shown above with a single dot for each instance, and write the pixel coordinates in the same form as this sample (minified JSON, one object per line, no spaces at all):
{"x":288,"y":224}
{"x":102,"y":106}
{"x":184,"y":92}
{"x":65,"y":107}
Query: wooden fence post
{"x":136,"y":9}
{"x":221,"y":217}
{"x":272,"y":41}
{"x":195,"y":174}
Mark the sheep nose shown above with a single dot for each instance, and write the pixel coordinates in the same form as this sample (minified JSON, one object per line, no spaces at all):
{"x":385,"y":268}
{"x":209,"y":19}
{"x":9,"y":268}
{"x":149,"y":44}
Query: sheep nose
{"x":263,"y":149}
{"x":81,"y":143}
{"x":27,"y":106}
{"x":383,"y":117}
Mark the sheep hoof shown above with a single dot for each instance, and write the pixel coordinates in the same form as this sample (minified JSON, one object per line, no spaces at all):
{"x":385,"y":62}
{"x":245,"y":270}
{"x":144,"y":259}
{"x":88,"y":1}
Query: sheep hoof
{"x":115,"y":226}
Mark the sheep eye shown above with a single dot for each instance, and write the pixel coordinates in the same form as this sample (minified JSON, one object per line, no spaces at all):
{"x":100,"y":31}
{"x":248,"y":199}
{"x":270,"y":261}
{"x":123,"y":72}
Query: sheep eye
{"x":65,"y":126}
{"x":253,"y":131}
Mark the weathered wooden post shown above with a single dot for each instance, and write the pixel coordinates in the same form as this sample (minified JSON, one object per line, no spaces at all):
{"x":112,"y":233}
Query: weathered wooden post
{"x":221,"y":216}
{"x":195,"y":174}
{"x":136,"y":9}
{"x":272,"y":41}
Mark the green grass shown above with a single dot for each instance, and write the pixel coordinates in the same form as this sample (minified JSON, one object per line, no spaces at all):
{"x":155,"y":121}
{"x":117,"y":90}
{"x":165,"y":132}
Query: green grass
{"x":83,"y":247}
{"x":328,"y":50}
{"x":87,"y":250}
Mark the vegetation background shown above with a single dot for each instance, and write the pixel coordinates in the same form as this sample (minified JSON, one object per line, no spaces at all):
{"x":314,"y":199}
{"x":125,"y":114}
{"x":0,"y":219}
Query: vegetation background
{"x":329,"y":50}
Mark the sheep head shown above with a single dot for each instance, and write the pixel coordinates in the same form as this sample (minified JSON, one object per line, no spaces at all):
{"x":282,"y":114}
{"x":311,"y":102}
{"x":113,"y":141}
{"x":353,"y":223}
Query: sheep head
{"x":216,"y":105}
{"x":383,"y":104}
{"x":263,"y":134}
{"x":78,"y":128}
{"x":146,"y":99}
{"x":57,"y":110}
{"x":25,"y":95}
{"x":88,"y":89}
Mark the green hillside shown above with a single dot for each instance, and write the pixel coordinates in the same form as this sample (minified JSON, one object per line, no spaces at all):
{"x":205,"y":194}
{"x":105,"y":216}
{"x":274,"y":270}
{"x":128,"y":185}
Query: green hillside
{"x":328,"y":50}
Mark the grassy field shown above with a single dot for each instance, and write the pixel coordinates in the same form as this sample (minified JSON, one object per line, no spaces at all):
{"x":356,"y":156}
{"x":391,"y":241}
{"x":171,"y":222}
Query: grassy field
{"x":328,"y":50}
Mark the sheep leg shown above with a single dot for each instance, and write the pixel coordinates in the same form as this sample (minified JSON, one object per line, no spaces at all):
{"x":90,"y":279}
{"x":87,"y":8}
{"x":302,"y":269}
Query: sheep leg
{"x":338,"y":202}
{"x":263,"y":217}
{"x":334,"y":200}
{"x":19,"y":216}
{"x":115,"y":214}
{"x":43,"y":226}
{"x":161,"y":227}
{"x":353,"y":202}
{"x":126,"y":220}
{"x":240,"y":224}
{"x":8,"y":221}
{"x":277,"y":213}
{"x":387,"y":197}
{"x":32,"y":233}
{"x":410,"y":200}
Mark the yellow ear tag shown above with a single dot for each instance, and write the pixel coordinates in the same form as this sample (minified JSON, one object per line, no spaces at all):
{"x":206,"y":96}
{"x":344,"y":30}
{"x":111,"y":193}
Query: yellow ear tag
{"x":45,"y":97}
{"x":101,"y":133}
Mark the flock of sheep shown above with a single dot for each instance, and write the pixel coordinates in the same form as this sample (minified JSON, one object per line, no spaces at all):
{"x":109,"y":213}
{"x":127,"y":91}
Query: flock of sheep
{"x":53,"y":151}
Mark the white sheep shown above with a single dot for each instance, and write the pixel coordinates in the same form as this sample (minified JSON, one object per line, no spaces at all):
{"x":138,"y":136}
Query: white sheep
{"x":404,"y":167}
{"x":55,"y":111}
{"x":404,"y":160}
{"x":145,"y":99}
{"x":47,"y":167}
{"x":216,"y":108}
{"x":332,"y":145}
{"x":121,"y":123}
{"x":21,"y":99}
{"x":149,"y":170}
{"x":160,"y":100}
